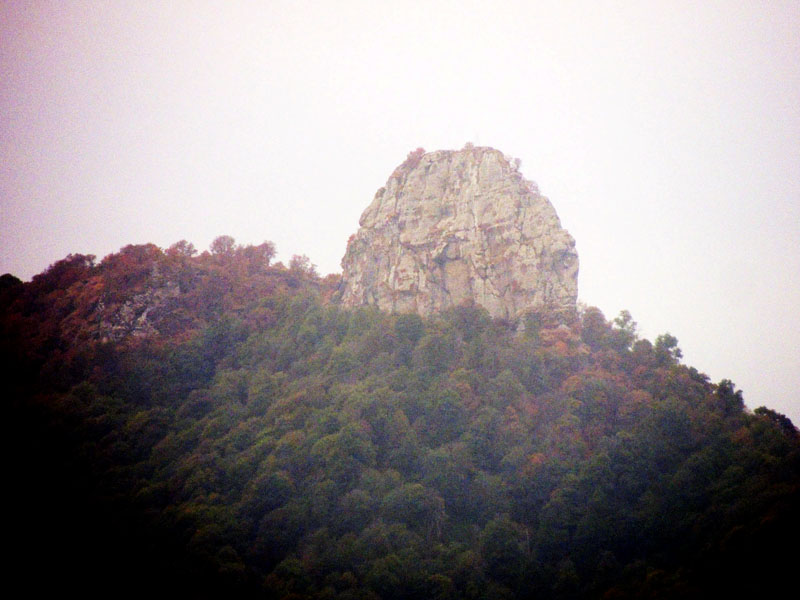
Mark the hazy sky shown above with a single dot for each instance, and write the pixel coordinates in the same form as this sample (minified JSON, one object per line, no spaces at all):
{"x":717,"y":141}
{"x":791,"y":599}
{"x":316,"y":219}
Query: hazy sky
{"x":666,"y":134}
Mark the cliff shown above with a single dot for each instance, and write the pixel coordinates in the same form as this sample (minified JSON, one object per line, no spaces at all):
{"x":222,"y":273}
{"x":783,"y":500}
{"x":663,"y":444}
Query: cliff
{"x":456,"y":226}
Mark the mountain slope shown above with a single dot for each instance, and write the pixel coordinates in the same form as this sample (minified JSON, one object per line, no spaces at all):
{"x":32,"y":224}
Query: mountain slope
{"x":248,"y":436}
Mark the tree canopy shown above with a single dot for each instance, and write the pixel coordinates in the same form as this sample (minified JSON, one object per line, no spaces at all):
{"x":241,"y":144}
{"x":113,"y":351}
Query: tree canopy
{"x":216,"y":424}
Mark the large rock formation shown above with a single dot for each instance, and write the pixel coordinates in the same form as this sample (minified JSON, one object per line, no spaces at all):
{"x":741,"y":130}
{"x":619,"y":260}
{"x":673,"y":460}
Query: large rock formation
{"x":455,"y":226}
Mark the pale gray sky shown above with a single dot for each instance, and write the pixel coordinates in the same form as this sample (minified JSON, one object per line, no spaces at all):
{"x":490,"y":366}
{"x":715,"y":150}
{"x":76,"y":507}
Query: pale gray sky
{"x":666,"y":134}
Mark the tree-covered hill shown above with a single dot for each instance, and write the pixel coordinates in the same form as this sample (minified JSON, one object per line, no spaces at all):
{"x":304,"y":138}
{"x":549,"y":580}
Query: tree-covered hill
{"x":209,"y":425}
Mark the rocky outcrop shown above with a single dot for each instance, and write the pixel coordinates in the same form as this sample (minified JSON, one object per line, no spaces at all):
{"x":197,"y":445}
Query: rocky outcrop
{"x":139,"y":316}
{"x":456,"y":226}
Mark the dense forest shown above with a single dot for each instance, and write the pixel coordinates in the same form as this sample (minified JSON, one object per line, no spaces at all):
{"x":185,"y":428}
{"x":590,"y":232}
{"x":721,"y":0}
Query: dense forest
{"x":214,"y":424}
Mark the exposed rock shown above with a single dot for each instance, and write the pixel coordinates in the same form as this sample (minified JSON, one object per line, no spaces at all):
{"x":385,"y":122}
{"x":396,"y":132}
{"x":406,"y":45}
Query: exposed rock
{"x":456,"y":226}
{"x":140,"y":315}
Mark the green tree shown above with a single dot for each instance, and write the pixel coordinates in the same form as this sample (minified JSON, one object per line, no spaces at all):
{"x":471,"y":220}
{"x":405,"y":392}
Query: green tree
{"x":417,"y":507}
{"x":595,"y":331}
{"x":666,"y":350}
{"x":503,"y":548}
{"x":624,"y":331}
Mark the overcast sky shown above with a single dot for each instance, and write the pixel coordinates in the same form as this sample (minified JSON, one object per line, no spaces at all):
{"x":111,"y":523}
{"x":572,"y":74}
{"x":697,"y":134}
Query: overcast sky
{"x":666,"y":134}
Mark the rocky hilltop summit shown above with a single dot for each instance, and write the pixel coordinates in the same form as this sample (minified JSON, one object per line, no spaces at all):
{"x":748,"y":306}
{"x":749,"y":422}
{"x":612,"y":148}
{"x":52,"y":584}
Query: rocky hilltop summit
{"x":457,"y":226}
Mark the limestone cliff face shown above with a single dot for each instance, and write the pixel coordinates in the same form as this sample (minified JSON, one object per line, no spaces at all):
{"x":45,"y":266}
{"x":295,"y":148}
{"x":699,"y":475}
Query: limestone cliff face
{"x":455,"y":226}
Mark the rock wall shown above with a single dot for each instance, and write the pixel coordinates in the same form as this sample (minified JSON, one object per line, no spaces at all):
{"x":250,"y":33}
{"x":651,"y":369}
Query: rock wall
{"x":456,"y":226}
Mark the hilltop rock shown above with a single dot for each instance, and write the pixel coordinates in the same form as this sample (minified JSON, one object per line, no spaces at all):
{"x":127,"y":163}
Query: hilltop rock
{"x":459,"y":226}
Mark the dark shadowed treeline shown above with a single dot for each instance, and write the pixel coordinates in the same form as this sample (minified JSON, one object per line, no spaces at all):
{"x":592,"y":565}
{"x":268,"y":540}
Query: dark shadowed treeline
{"x":215,"y":424}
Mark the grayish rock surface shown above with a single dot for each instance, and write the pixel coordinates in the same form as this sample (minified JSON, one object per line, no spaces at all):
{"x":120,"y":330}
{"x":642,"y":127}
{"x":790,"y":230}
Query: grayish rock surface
{"x":456,"y":226}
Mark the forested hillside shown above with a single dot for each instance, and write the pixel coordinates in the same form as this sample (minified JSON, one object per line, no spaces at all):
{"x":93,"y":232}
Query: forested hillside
{"x":215,"y":425}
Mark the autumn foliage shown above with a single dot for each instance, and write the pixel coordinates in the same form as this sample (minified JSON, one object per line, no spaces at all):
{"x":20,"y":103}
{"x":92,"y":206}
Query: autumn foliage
{"x":209,"y":424}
